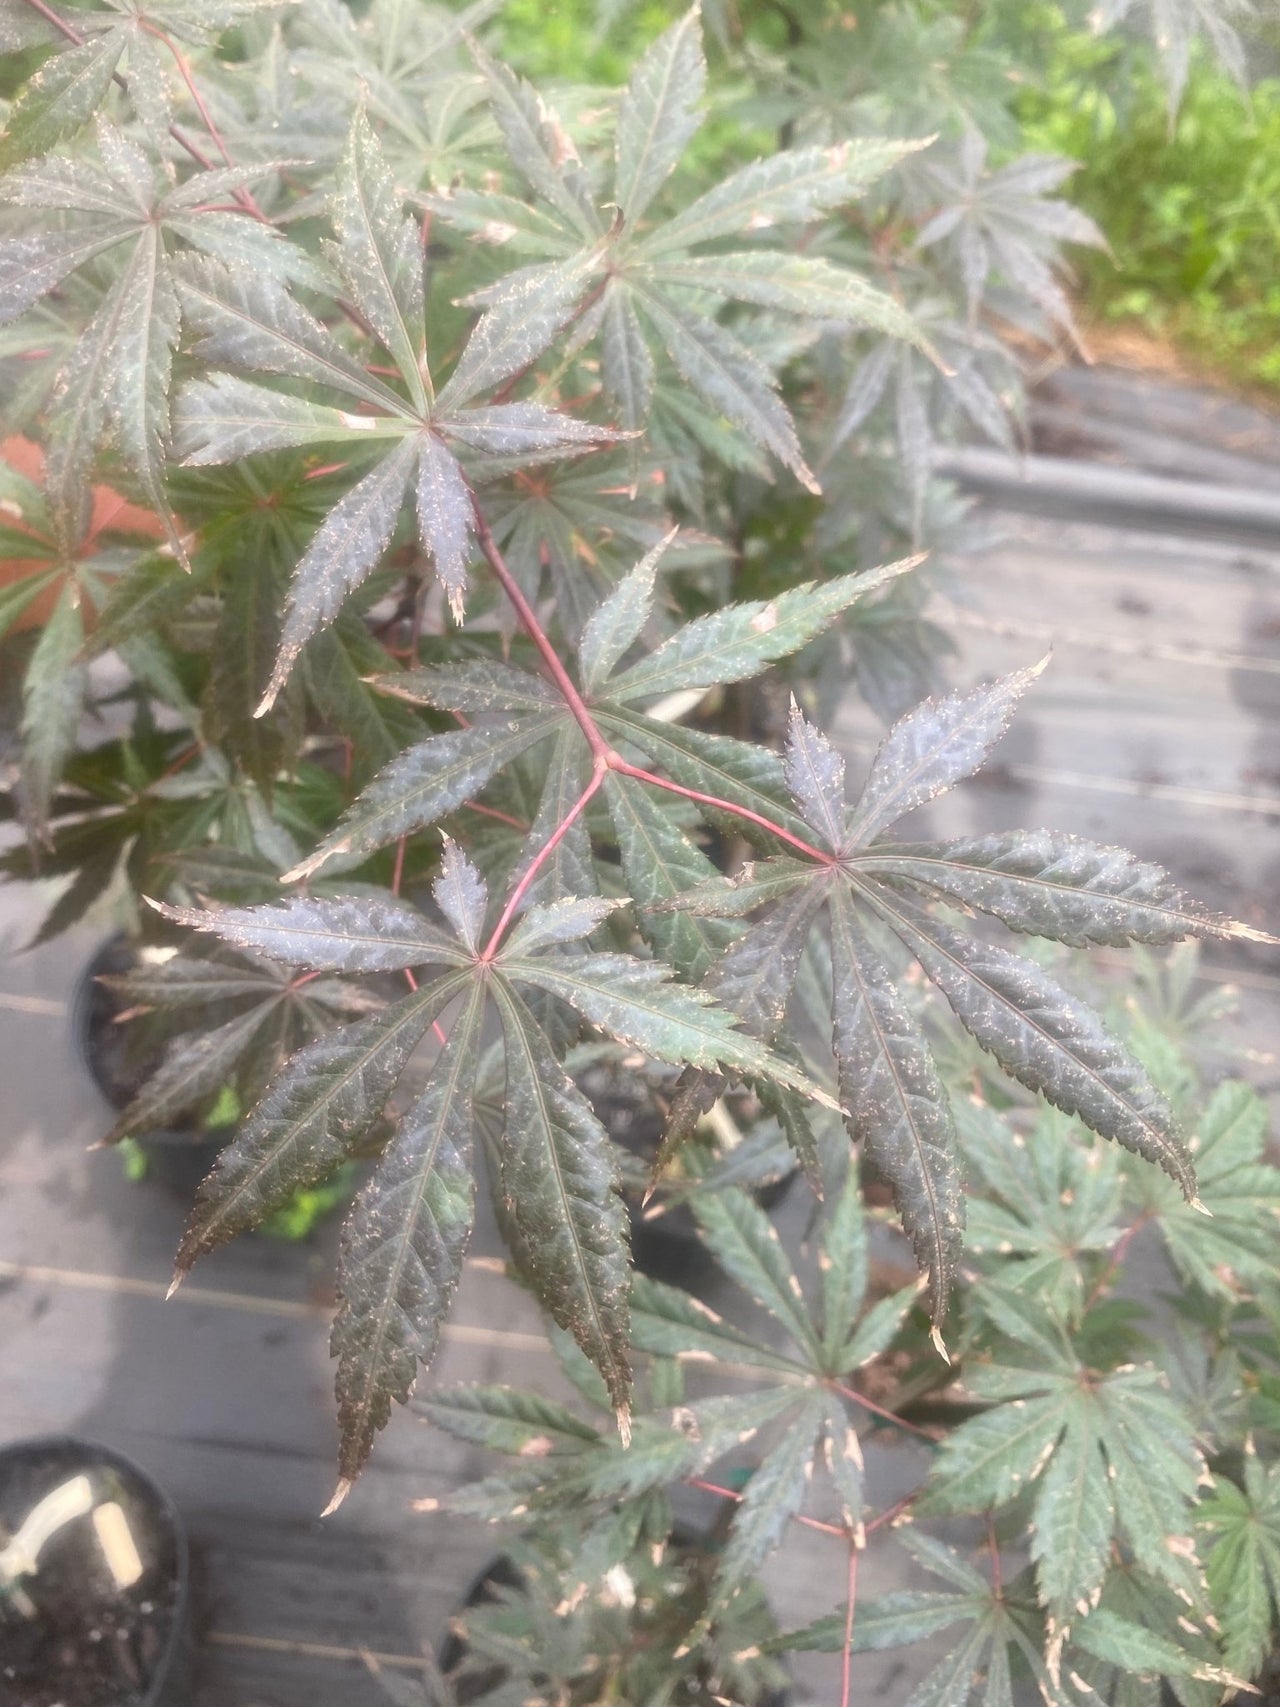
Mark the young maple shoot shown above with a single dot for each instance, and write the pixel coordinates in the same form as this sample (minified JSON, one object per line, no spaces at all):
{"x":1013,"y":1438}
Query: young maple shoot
{"x":499,"y":458}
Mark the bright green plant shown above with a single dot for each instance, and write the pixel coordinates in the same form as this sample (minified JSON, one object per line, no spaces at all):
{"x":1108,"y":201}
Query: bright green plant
{"x":1190,"y":213}
{"x":1126,"y":1453}
{"x":498,"y":447}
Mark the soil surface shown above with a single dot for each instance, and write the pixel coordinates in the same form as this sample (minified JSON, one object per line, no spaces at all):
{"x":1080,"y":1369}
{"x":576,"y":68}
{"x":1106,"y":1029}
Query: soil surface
{"x":70,"y":1634}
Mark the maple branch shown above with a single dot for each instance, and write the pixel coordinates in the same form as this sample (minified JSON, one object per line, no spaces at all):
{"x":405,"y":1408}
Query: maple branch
{"x":846,"y":1657}
{"x":244,"y":198}
{"x":856,"y":1398}
{"x":732,"y":1494}
{"x":1116,"y":1259}
{"x":529,"y":617}
{"x":641,"y":775}
{"x":51,"y":17}
{"x":993,"y":1547}
{"x":540,"y":858}
{"x":893,"y":1511}
{"x":605,"y":756}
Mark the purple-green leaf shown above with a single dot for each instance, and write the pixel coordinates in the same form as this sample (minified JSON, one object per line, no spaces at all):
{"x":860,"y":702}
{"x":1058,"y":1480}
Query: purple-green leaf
{"x":1045,"y":1038}
{"x":558,"y":1188}
{"x":345,"y":550}
{"x":320,"y":1105}
{"x":896,"y":1105}
{"x":933,"y":747}
{"x":322,"y":934}
{"x":403,"y":1245}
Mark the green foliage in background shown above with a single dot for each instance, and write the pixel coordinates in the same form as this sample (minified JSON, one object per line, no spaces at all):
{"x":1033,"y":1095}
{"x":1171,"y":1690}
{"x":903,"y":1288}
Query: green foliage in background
{"x":1190,"y":207}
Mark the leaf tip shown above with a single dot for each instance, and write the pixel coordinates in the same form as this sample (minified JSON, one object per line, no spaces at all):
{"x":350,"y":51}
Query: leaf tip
{"x":344,"y":1487}
{"x":1250,"y":933}
{"x":623,"y":1415}
{"x":307,"y":867}
{"x":939,"y":1344}
{"x":1199,"y":1207}
{"x":179,"y":1276}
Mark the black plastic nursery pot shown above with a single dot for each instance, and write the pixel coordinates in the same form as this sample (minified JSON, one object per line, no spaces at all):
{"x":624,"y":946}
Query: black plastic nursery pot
{"x":94,"y":1581}
{"x":177,"y":1157}
{"x":664,"y":1235}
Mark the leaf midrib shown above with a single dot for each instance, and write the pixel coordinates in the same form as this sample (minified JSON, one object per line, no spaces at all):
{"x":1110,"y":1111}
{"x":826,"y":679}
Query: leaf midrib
{"x":372,"y":1348}
{"x":512,"y":1009}
{"x":872,"y":861}
{"x":839,"y":922}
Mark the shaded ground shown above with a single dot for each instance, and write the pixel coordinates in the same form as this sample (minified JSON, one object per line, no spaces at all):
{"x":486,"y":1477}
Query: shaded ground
{"x":1158,"y":727}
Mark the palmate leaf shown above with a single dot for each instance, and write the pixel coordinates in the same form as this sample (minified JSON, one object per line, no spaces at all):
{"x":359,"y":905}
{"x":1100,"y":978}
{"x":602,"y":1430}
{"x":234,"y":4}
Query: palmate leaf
{"x":1006,"y":221}
{"x":119,"y":372}
{"x":258,"y":326}
{"x":1109,"y":1454}
{"x":891,"y":1092}
{"x":1240,"y":1530}
{"x":318,"y":1108}
{"x":560,"y":1203}
{"x":648,"y":275}
{"x":402,"y":1247}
